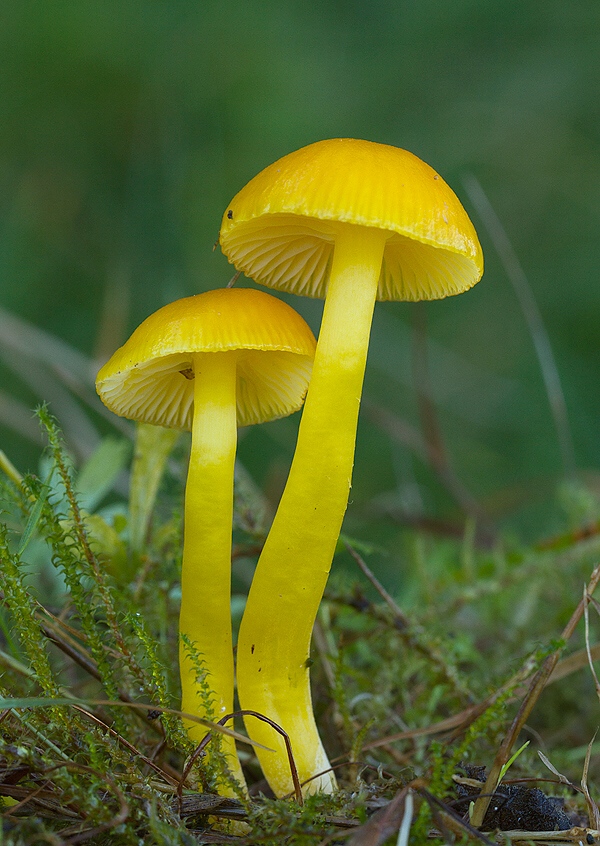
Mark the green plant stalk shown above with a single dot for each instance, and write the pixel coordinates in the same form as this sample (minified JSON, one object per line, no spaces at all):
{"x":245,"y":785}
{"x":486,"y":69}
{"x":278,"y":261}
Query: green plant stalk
{"x":9,"y":469}
{"x":205,"y":616}
{"x":274,"y":640}
{"x":153,"y":445}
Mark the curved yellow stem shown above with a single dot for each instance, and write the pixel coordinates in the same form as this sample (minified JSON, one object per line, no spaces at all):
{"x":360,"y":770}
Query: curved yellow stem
{"x":274,"y":640}
{"x":205,"y":617}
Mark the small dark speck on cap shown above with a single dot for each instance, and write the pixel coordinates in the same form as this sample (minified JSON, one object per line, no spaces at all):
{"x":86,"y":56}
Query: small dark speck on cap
{"x":230,"y":215}
{"x":436,"y":176}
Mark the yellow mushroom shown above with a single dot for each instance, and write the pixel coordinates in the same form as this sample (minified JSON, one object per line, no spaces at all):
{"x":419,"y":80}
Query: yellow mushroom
{"x":210,"y":363}
{"x":351,"y":221}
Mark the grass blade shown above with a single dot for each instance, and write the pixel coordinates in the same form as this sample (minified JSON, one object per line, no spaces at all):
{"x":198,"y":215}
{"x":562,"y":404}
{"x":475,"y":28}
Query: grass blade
{"x":533,"y":318}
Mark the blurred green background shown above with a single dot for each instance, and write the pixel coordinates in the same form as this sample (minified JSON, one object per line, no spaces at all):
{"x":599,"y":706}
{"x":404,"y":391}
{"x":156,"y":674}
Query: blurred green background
{"x":126,"y":127}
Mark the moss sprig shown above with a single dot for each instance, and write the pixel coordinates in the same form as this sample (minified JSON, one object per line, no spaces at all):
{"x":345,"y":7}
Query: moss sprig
{"x":21,"y":606}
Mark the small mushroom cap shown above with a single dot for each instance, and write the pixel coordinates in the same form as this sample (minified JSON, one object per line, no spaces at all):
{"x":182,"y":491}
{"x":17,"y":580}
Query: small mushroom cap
{"x":280,"y":228}
{"x":150,"y":378}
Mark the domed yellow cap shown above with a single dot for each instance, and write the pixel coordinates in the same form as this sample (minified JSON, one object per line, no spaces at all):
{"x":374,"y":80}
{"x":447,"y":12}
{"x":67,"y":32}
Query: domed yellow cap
{"x":150,"y":378}
{"x":280,"y":228}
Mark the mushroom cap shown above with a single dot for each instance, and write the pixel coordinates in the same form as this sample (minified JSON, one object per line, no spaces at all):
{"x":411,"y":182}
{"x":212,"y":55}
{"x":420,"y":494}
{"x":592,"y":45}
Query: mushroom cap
{"x":150,"y":378}
{"x":280,"y":228}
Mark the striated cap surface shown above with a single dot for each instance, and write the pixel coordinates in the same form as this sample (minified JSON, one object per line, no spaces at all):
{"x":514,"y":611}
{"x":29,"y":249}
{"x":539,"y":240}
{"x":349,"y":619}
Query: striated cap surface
{"x":280,"y":228}
{"x":150,"y":378}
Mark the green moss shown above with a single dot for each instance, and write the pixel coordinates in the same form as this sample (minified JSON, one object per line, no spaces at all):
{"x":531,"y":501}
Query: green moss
{"x":389,"y":681}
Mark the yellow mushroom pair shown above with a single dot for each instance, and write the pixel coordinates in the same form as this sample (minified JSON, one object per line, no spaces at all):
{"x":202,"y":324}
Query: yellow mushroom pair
{"x":351,"y":221}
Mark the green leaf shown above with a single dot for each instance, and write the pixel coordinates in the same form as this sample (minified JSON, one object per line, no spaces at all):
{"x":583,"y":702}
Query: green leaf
{"x":33,"y":702}
{"x":511,"y":761}
{"x":98,"y":474}
{"x":34,"y":517}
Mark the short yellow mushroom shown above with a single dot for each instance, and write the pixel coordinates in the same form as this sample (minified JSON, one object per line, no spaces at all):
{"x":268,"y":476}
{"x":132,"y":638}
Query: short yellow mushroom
{"x":210,"y":363}
{"x":351,"y":221}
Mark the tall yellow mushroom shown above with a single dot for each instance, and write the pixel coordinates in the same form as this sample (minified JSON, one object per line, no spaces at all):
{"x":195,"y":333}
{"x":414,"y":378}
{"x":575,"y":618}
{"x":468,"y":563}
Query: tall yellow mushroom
{"x":210,"y":363}
{"x":351,"y":221}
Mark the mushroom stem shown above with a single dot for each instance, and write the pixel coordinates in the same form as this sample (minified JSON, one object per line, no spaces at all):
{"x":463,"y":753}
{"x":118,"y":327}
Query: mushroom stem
{"x":274,"y":639}
{"x":205,"y":617}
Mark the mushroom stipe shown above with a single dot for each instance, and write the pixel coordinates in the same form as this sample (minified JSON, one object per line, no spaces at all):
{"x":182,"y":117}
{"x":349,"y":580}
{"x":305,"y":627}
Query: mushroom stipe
{"x":351,"y":221}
